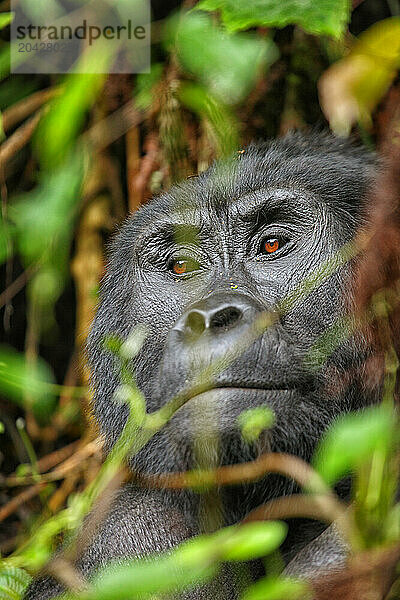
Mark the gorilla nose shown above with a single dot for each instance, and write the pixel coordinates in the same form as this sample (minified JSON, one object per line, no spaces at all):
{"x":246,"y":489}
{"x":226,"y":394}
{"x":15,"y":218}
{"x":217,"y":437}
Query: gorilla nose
{"x":214,"y":320}
{"x":216,"y":315}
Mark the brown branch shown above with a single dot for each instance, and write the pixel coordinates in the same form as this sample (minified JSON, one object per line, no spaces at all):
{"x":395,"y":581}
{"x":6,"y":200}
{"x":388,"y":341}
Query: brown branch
{"x":284,"y":464}
{"x":132,"y":166}
{"x":22,"y":109}
{"x":16,"y":286}
{"x":138,"y":181}
{"x":51,"y":460}
{"x":19,"y":138}
{"x":318,"y":507}
{"x":23,"y":497}
{"x":66,"y":467}
{"x":106,"y":131}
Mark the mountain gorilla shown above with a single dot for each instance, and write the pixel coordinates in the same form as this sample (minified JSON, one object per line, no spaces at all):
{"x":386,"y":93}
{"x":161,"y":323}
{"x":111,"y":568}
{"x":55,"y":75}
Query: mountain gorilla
{"x":197,"y":265}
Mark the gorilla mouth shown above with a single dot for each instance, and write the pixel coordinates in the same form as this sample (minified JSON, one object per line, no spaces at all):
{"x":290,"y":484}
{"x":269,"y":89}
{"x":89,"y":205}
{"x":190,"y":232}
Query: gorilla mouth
{"x":242,"y":388}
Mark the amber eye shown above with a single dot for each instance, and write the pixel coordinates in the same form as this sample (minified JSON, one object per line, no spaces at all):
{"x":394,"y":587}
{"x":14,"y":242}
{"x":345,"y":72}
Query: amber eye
{"x":271,"y":245}
{"x":182,"y":266}
{"x":179,"y":267}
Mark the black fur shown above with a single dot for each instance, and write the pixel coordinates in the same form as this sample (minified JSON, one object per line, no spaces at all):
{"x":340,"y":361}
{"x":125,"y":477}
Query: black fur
{"x":309,"y":191}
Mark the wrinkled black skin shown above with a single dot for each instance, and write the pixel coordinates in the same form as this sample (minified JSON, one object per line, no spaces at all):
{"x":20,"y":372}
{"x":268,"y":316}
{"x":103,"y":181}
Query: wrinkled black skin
{"x":310,"y":190}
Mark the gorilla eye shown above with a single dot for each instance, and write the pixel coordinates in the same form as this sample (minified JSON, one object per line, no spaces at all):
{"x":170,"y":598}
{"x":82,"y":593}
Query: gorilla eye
{"x":271,"y":245}
{"x":182,"y":266}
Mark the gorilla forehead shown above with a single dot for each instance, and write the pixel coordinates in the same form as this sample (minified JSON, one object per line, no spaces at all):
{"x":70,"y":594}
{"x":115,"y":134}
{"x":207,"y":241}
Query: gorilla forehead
{"x":322,"y":167}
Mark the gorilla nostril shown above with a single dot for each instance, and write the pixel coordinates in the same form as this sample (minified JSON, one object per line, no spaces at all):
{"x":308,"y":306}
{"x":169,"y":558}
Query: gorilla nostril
{"x":225,"y":318}
{"x":195,"y":322}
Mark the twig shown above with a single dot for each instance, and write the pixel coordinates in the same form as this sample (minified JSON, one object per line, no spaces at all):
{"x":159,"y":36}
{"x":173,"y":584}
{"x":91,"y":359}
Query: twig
{"x":319,"y":507}
{"x":69,"y":465}
{"x":63,"y":570}
{"x":16,"y":286}
{"x":56,"y":457}
{"x":132,"y":167}
{"x":138,"y":181}
{"x":23,"y":497}
{"x":22,"y":109}
{"x":106,"y":131}
{"x":19,"y":138}
{"x":285,"y":464}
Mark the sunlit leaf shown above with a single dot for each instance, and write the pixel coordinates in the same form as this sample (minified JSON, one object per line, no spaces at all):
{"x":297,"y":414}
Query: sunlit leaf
{"x":352,"y":440}
{"x":252,"y":540}
{"x":5,"y":19}
{"x":253,"y":421}
{"x":271,"y":588}
{"x":135,"y":579}
{"x":228,"y":65}
{"x":21,"y":380}
{"x":352,"y":87}
{"x":325,"y":17}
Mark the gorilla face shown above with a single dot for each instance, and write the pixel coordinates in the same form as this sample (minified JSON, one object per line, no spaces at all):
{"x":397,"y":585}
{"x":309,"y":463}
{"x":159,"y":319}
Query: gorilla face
{"x":199,"y":265}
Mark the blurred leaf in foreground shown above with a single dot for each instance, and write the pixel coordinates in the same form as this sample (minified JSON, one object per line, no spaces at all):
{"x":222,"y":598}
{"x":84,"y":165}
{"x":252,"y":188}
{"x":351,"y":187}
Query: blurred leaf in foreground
{"x":352,"y":440}
{"x":325,"y":17}
{"x":43,"y":221}
{"x":194,"y":561}
{"x":145,"y":86}
{"x":253,"y":421}
{"x":5,"y":19}
{"x":228,"y":65}
{"x":222,"y":120}
{"x":61,"y":125}
{"x":271,"y":588}
{"x":20,"y":379}
{"x":252,"y":540}
{"x":351,"y":88}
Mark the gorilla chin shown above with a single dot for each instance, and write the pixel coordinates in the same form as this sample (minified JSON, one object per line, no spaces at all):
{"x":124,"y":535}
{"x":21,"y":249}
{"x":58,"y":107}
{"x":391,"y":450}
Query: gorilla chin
{"x":216,"y":411}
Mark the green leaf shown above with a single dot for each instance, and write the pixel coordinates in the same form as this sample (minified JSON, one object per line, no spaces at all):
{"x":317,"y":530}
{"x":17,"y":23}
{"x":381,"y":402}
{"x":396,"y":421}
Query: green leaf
{"x":44,"y":217}
{"x":223,"y":122}
{"x":59,"y":128}
{"x":141,"y":579}
{"x":352,"y":440}
{"x":21,"y":380}
{"x":271,"y":588}
{"x":252,"y":540}
{"x":5,"y":19}
{"x":228,"y":65}
{"x":145,"y":84}
{"x":13,"y":582}
{"x":253,"y":421}
{"x":325,"y":17}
